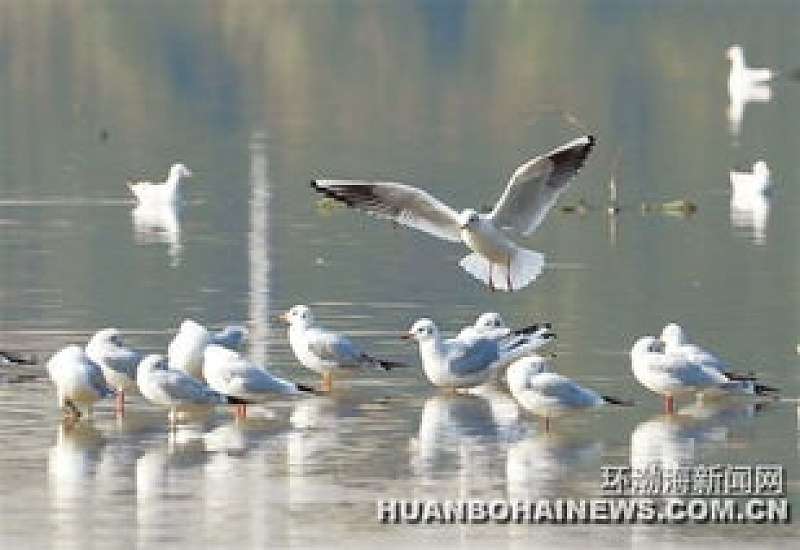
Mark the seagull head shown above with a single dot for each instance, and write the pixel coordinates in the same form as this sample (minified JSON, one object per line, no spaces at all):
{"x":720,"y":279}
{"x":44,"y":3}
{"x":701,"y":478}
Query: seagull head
{"x":154,"y":361}
{"x":467,"y":218}
{"x":734,"y":53}
{"x":106,"y":337}
{"x":489,"y":320}
{"x":179,"y":170}
{"x":674,"y":335}
{"x":519,"y":371}
{"x":760,"y":169}
{"x":647,"y":344}
{"x":421,"y":331}
{"x":298,"y":315}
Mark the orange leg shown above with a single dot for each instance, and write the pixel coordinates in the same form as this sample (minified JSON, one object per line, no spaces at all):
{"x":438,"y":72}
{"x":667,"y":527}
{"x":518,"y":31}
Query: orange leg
{"x":669,"y":404}
{"x":327,"y":382}
{"x":547,"y":424}
{"x":491,"y":282}
{"x":120,"y":403}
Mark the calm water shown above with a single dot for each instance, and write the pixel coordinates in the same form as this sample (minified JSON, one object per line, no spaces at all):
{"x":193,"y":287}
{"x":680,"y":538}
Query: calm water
{"x":258,"y":98}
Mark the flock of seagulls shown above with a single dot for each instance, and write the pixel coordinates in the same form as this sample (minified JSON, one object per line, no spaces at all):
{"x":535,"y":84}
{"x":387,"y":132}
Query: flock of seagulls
{"x":206,"y":369}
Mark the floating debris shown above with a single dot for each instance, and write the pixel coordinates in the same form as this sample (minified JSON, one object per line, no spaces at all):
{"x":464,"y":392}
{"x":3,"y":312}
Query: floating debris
{"x":682,"y":207}
{"x":580,"y":208}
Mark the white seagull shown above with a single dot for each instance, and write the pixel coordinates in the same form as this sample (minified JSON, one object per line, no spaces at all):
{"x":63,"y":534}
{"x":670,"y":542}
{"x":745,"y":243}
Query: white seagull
{"x":185,"y":351}
{"x":78,"y":380}
{"x":229,"y":373}
{"x":175,"y":389}
{"x":548,"y":394}
{"x":751,"y":184}
{"x":677,"y":341}
{"x":530,"y":194}
{"x":161,"y":194}
{"x":118,"y":362}
{"x":324,"y":351}
{"x":672,"y":373}
{"x":745,"y":85}
{"x":458,"y":364}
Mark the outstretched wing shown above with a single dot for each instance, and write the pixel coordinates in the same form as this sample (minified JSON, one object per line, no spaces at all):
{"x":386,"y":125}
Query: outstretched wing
{"x":536,"y":185}
{"x":399,"y":202}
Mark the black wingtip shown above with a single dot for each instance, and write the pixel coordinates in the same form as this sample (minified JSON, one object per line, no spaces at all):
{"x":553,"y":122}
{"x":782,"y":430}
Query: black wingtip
{"x":233,"y":400}
{"x":592,"y":139}
{"x":304,"y":388}
{"x":389,"y":365}
{"x":314,"y":184}
{"x":614,"y":401}
{"x":763,"y":389}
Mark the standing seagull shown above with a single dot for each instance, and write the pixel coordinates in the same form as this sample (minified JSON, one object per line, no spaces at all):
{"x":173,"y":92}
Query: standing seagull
{"x":117,"y":361}
{"x":457,"y":364}
{"x":548,"y":394}
{"x":231,"y":374}
{"x":176,"y":389}
{"x":324,"y":351}
{"x":78,"y":380}
{"x":672,"y":373}
{"x":530,"y":194}
{"x":677,"y":341}
{"x":161,"y":194}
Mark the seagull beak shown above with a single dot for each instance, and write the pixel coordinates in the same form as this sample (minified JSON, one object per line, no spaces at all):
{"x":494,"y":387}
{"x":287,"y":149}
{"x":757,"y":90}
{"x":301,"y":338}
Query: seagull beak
{"x":283,"y":318}
{"x":406,"y":336}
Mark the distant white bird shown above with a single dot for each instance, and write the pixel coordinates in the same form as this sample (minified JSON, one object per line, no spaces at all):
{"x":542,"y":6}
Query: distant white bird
{"x":324,"y":351}
{"x":229,"y":373}
{"x":176,"y":389}
{"x":530,"y":194}
{"x":185,"y":351}
{"x":78,"y":380}
{"x":457,"y":364}
{"x":671,"y":373}
{"x":677,"y":341}
{"x":161,"y":194}
{"x":755,"y":183}
{"x":745,"y":85}
{"x":750,"y":204}
{"x":118,"y":362}
{"x":549,"y":394}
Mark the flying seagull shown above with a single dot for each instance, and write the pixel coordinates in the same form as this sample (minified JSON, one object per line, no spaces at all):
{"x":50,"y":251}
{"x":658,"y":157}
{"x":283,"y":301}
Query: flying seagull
{"x":531,"y":192}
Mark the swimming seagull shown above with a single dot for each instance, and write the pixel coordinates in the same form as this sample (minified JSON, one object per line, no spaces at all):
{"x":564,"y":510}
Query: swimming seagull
{"x":673,"y":373}
{"x":324,"y":351}
{"x":78,"y":380}
{"x":457,"y":364}
{"x":161,"y":194}
{"x":751,"y":184}
{"x":229,"y":373}
{"x":529,"y":195}
{"x":745,"y":85}
{"x":176,"y":389}
{"x":118,"y":362}
{"x":548,"y":394}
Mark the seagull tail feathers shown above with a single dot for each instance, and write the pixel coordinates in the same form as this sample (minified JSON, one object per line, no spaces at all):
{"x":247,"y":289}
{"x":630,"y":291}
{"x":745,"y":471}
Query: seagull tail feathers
{"x":526,"y":265}
{"x":614,"y":401}
{"x":233,"y":400}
